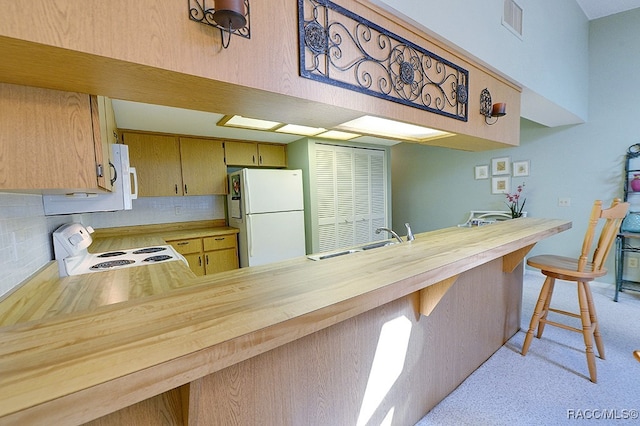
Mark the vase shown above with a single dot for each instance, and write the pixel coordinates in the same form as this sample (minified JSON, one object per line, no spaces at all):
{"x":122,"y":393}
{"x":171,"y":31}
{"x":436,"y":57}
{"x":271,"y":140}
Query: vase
{"x":635,"y":183}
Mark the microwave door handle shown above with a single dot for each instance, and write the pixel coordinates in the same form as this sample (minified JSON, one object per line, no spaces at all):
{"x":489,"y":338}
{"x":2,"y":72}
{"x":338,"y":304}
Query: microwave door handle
{"x":115,"y":173}
{"x":132,"y":171}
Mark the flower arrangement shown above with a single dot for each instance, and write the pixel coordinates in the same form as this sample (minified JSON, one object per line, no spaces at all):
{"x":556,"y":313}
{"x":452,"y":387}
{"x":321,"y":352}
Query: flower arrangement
{"x":514,"y":202}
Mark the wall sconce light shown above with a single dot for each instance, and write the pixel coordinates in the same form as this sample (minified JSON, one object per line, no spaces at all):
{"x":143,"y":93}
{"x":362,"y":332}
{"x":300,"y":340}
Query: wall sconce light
{"x":490,"y":110}
{"x":229,"y":16}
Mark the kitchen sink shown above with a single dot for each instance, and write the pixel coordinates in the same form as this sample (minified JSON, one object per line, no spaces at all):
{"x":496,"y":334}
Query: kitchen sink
{"x":370,"y":246}
{"x":378,"y":244}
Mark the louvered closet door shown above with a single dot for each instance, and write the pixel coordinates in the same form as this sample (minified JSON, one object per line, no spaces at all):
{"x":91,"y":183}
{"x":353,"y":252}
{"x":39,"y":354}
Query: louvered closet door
{"x":378,"y":191}
{"x":326,"y":197}
{"x":345,"y":227}
{"x":362,"y":197}
{"x":351,"y":194}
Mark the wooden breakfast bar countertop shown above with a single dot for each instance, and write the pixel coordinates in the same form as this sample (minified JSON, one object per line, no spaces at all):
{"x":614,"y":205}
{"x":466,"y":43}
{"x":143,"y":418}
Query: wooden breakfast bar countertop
{"x":77,"y":366}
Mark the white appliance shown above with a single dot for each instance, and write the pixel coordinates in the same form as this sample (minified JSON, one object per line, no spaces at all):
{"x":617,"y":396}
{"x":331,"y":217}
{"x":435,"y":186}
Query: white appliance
{"x":267,"y":206}
{"x":70,"y":242}
{"x":120,"y":198}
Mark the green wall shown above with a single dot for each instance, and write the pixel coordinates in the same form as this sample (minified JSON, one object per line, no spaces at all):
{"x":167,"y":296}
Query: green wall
{"x":435,"y":187}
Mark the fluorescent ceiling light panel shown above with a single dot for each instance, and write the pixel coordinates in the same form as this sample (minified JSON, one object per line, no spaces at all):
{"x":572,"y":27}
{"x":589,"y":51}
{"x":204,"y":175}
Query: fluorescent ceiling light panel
{"x":391,"y":129}
{"x":295,"y":129}
{"x":334,"y":134}
{"x":247,"y":123}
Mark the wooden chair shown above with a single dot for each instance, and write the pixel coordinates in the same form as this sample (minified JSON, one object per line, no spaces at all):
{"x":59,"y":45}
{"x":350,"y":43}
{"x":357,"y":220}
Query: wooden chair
{"x":581,"y":271}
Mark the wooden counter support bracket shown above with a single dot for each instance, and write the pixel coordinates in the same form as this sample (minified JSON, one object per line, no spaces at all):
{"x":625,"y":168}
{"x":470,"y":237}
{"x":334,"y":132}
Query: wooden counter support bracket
{"x":512,"y":260}
{"x":431,"y":296}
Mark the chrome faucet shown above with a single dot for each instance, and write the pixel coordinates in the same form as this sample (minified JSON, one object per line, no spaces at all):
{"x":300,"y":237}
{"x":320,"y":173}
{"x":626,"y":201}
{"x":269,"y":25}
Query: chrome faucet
{"x":410,"y":236}
{"x":382,"y":228}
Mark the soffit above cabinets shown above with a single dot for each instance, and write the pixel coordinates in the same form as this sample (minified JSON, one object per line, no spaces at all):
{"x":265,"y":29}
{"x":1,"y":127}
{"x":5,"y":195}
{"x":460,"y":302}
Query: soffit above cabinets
{"x":164,"y":119}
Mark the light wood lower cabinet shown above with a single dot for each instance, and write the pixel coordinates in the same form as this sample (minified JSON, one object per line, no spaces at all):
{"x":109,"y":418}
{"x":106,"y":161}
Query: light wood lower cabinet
{"x":220,"y":253}
{"x":209,"y":255}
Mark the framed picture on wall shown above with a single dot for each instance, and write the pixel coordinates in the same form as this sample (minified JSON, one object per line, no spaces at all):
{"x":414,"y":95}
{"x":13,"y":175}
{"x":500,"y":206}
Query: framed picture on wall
{"x":521,"y":168}
{"x":482,"y":172}
{"x":500,"y":185}
{"x":500,"y":166}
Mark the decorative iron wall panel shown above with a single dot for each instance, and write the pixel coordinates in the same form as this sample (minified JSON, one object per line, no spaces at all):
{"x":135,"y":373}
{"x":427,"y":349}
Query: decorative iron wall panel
{"x":343,"y":49}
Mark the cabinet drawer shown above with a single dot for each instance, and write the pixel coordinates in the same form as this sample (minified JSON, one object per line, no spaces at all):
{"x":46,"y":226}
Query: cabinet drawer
{"x":193,"y":245}
{"x":219,"y":242}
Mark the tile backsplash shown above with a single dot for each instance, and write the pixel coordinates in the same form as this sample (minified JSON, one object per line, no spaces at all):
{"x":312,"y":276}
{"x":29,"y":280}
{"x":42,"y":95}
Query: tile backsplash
{"x":24,"y":240}
{"x":25,"y":232}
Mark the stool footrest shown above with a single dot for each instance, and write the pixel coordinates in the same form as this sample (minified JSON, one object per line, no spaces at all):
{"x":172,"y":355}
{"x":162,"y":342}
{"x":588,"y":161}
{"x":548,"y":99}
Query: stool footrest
{"x":559,"y":311}
{"x":557,"y":324}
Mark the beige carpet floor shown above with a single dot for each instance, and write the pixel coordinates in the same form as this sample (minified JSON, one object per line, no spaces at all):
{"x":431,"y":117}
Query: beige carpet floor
{"x":550,"y":386}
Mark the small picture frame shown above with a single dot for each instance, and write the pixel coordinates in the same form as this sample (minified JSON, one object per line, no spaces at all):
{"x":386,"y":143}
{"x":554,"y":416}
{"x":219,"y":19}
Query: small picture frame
{"x":500,"y":185}
{"x":521,"y":168}
{"x":500,"y":166}
{"x":482,"y":172}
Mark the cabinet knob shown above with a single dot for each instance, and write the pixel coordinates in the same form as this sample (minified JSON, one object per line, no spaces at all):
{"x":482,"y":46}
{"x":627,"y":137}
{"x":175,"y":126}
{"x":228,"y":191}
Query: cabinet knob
{"x":220,"y":239}
{"x":182,"y":243}
{"x":185,"y":189}
{"x":199,"y":260}
{"x":176,"y":189}
{"x":206,"y":257}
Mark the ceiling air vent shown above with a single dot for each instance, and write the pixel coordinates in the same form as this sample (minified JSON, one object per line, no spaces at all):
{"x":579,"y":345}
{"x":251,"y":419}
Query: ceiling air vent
{"x":512,"y":18}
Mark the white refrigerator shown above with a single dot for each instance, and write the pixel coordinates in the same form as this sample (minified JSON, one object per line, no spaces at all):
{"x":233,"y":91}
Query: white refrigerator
{"x":267,"y":206}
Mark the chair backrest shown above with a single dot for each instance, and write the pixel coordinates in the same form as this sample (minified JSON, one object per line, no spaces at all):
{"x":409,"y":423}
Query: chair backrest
{"x":613,"y":217}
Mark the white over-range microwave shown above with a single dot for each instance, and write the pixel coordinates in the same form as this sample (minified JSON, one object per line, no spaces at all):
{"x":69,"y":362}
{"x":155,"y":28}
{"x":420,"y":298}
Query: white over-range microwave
{"x":125,"y":189}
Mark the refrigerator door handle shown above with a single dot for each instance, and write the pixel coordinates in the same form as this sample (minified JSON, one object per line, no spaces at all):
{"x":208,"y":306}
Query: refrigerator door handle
{"x":249,"y":236}
{"x":247,"y":191}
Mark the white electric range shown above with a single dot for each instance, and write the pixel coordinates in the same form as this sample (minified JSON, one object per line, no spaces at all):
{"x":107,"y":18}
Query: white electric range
{"x":70,"y":243}
{"x":97,"y":262}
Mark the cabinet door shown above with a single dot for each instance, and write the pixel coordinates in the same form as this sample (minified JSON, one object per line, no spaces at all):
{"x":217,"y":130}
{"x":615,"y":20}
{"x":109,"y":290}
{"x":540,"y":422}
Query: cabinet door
{"x":220,"y":253}
{"x":241,"y":153}
{"x":47,"y":140}
{"x":196,"y":263}
{"x":203,"y":168}
{"x":220,"y":261}
{"x":157,"y":162}
{"x":272,"y":155}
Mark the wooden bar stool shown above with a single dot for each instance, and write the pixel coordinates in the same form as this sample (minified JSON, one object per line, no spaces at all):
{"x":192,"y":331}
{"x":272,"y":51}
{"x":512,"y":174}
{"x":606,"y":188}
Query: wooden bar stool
{"x":580,"y":271}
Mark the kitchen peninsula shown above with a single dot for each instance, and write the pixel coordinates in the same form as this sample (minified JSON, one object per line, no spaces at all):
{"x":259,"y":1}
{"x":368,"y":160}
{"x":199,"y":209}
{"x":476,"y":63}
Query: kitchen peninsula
{"x":295,"y":342}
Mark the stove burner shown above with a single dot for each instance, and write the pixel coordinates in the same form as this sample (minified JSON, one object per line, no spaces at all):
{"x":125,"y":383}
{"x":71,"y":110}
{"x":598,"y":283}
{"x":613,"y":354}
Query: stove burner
{"x":112,"y":264}
{"x":158,"y":258}
{"x":111,"y":254}
{"x":149,"y":250}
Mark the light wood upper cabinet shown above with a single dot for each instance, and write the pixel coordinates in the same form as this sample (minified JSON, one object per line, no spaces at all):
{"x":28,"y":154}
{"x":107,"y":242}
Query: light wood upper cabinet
{"x":157,"y":162}
{"x":239,"y":153}
{"x":171,"y":165}
{"x":203,"y":168}
{"x":272,"y":155}
{"x":50,"y":141}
